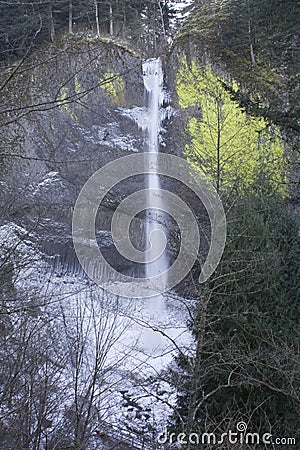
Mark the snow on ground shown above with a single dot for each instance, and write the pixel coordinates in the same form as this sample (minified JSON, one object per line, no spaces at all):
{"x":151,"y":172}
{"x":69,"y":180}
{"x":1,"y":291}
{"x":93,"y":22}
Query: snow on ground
{"x":141,"y":340}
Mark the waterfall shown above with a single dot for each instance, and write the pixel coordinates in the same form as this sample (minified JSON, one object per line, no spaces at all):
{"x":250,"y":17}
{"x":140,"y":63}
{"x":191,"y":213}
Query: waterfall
{"x":156,"y":220}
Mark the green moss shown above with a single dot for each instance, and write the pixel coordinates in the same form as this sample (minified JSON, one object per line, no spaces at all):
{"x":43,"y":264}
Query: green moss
{"x":77,"y":85}
{"x":230,"y":146}
{"x":63,"y":103}
{"x":114,"y":88}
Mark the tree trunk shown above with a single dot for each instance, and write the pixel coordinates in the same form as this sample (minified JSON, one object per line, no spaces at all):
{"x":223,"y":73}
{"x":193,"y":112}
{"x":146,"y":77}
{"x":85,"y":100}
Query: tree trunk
{"x":97,"y":17}
{"x":250,"y":37}
{"x":124,"y":21}
{"x":251,"y":46}
{"x":70,"y":16}
{"x":219,"y":106}
{"x":162,"y":21}
{"x":52,"y":30}
{"x":111,"y":23}
{"x":154,"y":29}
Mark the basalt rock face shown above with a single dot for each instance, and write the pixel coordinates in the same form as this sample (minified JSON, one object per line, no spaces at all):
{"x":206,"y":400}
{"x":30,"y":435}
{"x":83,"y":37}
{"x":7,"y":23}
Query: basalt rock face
{"x":72,"y":120}
{"x":74,"y":108}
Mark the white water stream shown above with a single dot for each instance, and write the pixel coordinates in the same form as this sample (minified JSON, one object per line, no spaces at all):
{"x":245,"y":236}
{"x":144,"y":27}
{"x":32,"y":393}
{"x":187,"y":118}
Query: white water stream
{"x":153,"y":82}
{"x":160,"y":321}
{"x":156,"y":230}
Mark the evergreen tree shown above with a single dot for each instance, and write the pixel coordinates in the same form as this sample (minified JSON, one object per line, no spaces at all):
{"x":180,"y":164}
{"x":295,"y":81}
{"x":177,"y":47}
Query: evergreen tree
{"x":246,"y":328}
{"x":24,"y":25}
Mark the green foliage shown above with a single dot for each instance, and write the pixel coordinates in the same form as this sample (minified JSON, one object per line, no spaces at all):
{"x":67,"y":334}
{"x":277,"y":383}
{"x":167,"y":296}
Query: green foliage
{"x":270,"y":24}
{"x":257,"y":43}
{"x":246,"y":363}
{"x":227,"y":27}
{"x":284,"y":119}
{"x":229,"y":145}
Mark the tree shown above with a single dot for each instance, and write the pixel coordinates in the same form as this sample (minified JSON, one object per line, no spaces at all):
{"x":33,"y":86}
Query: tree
{"x":256,"y":43}
{"x":226,"y":143}
{"x":245,"y":323}
{"x":93,"y":327}
{"x":58,"y":350}
{"x":245,"y":364}
{"x":155,"y":26}
{"x":267,"y":26}
{"x":32,"y":360}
